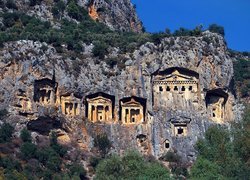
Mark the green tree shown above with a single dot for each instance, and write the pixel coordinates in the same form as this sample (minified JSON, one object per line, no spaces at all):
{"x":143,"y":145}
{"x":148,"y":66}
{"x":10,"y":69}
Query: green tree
{"x":6,"y":131}
{"x":28,"y":150}
{"x":131,"y":166}
{"x":102,"y":142}
{"x":59,"y":149}
{"x":217,"y":29}
{"x":224,"y":153}
{"x":25,"y":135}
{"x":111,"y":168}
{"x":205,"y":169}
{"x":100,"y":49}
{"x":77,"y":170}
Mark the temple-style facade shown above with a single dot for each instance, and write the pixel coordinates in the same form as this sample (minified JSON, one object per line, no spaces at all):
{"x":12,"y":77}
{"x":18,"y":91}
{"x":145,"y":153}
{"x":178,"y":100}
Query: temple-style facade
{"x":215,"y":101}
{"x":132,"y":110}
{"x":176,"y":88}
{"x":45,"y":91}
{"x":100,"y":107}
{"x":71,"y":104}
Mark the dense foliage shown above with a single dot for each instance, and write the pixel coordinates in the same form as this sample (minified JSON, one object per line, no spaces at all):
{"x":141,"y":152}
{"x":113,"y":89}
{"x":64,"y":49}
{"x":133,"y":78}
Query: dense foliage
{"x":6,"y":131}
{"x":242,"y":77}
{"x":35,"y":162}
{"x":17,"y":26}
{"x":224,"y":153}
{"x":130,"y":166}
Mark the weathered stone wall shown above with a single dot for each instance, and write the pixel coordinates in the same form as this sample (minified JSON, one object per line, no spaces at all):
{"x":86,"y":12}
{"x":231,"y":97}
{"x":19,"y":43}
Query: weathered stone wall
{"x":23,"y":62}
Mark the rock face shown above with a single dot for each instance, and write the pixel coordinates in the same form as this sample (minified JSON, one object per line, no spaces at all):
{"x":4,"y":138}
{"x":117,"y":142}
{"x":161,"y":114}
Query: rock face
{"x":116,"y":14}
{"x":175,"y":114}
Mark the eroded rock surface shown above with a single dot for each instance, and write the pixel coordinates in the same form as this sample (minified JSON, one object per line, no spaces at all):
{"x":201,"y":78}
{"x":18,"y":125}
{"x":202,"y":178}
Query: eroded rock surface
{"x":116,"y":14}
{"x":164,"y":128}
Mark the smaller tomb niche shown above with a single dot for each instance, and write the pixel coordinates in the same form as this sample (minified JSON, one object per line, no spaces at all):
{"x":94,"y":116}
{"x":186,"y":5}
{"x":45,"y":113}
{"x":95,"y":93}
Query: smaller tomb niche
{"x":179,"y":126}
{"x":166,"y":145}
{"x":132,"y":110}
{"x":24,"y":103}
{"x":71,"y":104}
{"x":100,"y":107}
{"x":180,"y":130}
{"x":175,"y":87}
{"x":215,"y":101}
{"x":45,"y":91}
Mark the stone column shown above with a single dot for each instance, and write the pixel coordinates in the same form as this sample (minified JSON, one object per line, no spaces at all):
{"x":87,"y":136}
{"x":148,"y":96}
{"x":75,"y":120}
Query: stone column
{"x":63,"y":107}
{"x":73,"y":111}
{"x":90,"y":111}
{"x":94,"y":118}
{"x":110,"y":112}
{"x":123,"y":114}
{"x":52,"y":97}
{"x":129,"y":115}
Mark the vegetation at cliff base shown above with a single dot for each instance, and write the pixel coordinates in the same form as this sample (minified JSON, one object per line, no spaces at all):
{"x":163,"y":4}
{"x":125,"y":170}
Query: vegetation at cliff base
{"x":224,"y":153}
{"x":34,"y":162}
{"x":131,"y":166}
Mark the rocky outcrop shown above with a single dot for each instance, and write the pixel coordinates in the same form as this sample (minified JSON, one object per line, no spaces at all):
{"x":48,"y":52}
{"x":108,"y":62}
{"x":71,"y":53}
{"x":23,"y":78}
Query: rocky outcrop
{"x":116,"y":14}
{"x":24,"y":62}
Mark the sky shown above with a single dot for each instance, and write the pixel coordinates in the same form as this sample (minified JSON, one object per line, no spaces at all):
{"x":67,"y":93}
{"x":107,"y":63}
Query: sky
{"x":233,"y":15}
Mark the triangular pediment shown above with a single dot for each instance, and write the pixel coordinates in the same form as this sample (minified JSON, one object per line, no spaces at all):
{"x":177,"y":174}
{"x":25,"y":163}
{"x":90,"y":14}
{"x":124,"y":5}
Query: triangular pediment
{"x":175,"y":77}
{"x":132,"y":103}
{"x":99,"y":99}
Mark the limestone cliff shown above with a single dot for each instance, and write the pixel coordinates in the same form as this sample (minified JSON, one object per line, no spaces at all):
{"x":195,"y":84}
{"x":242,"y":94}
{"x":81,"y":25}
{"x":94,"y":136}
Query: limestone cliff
{"x":116,"y":14}
{"x":38,"y":82}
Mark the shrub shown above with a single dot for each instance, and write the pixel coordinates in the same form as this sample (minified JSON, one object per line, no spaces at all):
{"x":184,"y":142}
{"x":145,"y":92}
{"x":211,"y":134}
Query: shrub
{"x":171,"y":157}
{"x":15,"y":175}
{"x":11,"y":4}
{"x":77,"y":170}
{"x":28,"y":150}
{"x":102,"y":143}
{"x":94,"y":161}
{"x":182,"y":32}
{"x":54,"y":163}
{"x":25,"y":135}
{"x":6,"y":131}
{"x":75,"y":11}
{"x":43,"y":154}
{"x":58,"y":9}
{"x":3,"y":113}
{"x":100,"y":49}
{"x":9,"y":19}
{"x":241,"y":76}
{"x":205,"y":169}
{"x":60,"y":150}
{"x":131,"y":166}
{"x":217,"y":29}
{"x":111,"y":168}
{"x":10,"y":163}
{"x":111,"y":62}
{"x":35,"y":2}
